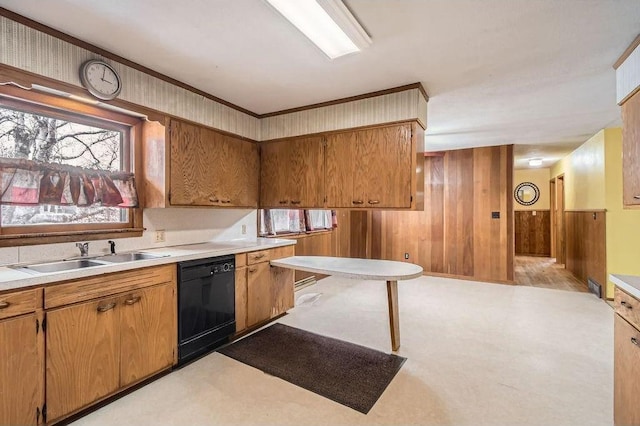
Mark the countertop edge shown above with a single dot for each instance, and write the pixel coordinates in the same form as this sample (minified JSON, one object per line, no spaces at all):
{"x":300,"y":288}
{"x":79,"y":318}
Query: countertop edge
{"x":27,"y":281}
{"x":628,"y":283}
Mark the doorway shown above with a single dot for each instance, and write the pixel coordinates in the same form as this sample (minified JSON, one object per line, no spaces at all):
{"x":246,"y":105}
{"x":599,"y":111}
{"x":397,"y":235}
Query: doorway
{"x":552,"y":209}
{"x":560,"y":242}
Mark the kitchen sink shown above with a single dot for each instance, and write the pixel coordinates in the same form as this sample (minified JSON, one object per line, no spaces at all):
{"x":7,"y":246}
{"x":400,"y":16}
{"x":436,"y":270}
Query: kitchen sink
{"x":73,"y":264}
{"x":127,"y":257}
{"x":66,"y":265}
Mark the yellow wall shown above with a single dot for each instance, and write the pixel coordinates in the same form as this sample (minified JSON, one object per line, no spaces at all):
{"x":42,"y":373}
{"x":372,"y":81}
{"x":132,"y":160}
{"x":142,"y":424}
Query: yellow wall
{"x":584,"y":175}
{"x":539,"y":177}
{"x":623,"y":225}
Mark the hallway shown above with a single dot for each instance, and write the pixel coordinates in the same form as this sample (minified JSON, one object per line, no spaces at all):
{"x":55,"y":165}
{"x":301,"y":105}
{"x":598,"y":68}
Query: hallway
{"x":543,"y":272}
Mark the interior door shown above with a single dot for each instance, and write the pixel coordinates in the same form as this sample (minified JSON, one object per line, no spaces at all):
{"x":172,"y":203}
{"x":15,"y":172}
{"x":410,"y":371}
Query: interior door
{"x":147,"y":332}
{"x":83,"y":355}
{"x":560,"y":228}
{"x":552,"y":192}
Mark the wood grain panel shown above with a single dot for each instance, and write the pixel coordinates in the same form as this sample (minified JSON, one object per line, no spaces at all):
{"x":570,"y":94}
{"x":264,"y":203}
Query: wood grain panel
{"x":305,"y":171}
{"x":631,"y":151}
{"x":241,"y":298}
{"x":21,"y":384}
{"x":340,"y":152}
{"x":189,"y":166}
{"x":236,"y":171}
{"x":92,"y":288}
{"x":281,"y":284}
{"x":273,"y":176}
{"x":459,"y":203}
{"x":20,"y":302}
{"x":83,"y":355}
{"x":455,"y":234}
{"x":533,"y":233}
{"x":258,"y":293}
{"x":259,"y":256}
{"x":147,"y":323}
{"x":627,"y":306}
{"x":586,"y":245}
{"x":626,"y":374}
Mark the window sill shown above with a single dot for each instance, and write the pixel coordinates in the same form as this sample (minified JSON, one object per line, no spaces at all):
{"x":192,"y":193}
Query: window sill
{"x":300,"y":234}
{"x":13,"y":240}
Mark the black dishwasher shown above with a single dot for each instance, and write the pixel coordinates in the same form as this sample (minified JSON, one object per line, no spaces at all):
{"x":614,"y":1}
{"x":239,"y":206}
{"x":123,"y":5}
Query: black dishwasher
{"x":206,"y":305}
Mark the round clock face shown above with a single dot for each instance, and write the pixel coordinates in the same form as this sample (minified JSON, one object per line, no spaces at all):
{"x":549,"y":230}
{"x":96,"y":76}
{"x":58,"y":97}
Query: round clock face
{"x":100,"y":79}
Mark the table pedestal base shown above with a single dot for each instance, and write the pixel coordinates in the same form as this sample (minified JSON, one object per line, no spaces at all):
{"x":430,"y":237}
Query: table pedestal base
{"x":394,"y":321}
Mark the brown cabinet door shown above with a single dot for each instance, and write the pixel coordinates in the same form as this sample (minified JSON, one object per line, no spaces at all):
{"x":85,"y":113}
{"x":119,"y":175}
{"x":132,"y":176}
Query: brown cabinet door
{"x":340,"y":162}
{"x":20,"y":371}
{"x":382,"y":172}
{"x":274,"y":173}
{"x":82,"y":355}
{"x":147,"y":334}
{"x":241,"y":299}
{"x":631,"y":150}
{"x":626,"y":395}
{"x":259,"y":298}
{"x":305,"y":184}
{"x":281,"y":283}
{"x":190,"y":176}
{"x":236,"y":172}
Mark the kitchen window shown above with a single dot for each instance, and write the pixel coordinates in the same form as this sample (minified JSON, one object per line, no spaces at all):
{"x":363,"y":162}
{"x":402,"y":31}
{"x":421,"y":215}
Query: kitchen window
{"x":65,"y":169}
{"x":293,"y":221}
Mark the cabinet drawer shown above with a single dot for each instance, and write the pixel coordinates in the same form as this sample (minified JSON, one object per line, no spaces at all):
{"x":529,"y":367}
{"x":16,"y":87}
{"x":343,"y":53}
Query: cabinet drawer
{"x":628,"y":307}
{"x":258,"y":256}
{"x":22,"y":302}
{"x":281,"y":252}
{"x":106,"y":285}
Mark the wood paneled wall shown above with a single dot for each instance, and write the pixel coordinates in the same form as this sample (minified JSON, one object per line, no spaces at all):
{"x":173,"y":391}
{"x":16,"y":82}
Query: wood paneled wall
{"x":533,"y":232}
{"x":586,"y":245}
{"x":456,"y":234}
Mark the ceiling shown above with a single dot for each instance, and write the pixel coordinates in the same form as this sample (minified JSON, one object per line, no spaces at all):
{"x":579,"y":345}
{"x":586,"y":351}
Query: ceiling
{"x":535,"y":73}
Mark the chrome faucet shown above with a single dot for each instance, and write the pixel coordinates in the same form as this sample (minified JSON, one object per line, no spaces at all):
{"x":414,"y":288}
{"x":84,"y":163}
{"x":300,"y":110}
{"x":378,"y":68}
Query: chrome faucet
{"x":84,"y":249}
{"x":112,"y":246}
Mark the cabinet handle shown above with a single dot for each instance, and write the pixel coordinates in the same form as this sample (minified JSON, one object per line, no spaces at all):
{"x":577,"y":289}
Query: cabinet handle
{"x":634,"y":341}
{"x":637,"y":197}
{"x":258,"y":256}
{"x":4,"y":305}
{"x":626,"y":305}
{"x":225,"y":201}
{"x":132,"y":300}
{"x":295,"y":202}
{"x":374,"y":202}
{"x":106,"y":307}
{"x":283,"y":201}
{"x":252,"y":270}
{"x":358,"y":202}
{"x":213,"y":200}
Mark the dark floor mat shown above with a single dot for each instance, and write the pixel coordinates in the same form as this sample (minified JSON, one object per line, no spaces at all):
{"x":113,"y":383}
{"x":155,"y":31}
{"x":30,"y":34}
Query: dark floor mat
{"x":349,"y":374}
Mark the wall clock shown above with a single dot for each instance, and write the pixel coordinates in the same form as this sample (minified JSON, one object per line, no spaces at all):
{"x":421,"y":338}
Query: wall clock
{"x":100,"y":79}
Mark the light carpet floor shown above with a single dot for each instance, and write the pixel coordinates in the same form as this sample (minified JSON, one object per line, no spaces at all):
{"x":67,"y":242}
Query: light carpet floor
{"x":477,"y":354}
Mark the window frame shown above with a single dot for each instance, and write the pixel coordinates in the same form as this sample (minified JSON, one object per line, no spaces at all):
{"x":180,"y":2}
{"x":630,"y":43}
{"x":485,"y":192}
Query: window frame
{"x":66,"y":108}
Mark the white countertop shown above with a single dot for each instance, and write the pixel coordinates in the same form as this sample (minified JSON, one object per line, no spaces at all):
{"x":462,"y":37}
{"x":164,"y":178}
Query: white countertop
{"x":628,"y":283}
{"x":363,"y":269}
{"x":12,"y":279}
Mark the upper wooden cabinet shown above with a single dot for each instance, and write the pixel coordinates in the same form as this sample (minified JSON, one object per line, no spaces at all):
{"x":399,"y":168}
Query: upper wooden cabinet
{"x":292,"y":173}
{"x":190,"y":165}
{"x":631,"y":150}
{"x":377,"y":167}
{"x":370,"y":168}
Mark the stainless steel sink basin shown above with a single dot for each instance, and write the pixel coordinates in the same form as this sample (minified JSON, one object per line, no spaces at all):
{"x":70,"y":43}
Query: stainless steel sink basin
{"x":66,"y":265}
{"x":127,"y":257}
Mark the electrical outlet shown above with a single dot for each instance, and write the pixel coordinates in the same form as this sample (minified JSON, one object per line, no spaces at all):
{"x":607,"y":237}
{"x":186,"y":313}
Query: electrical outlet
{"x":160,"y":237}
{"x":406,"y":256}
{"x":244,"y":229}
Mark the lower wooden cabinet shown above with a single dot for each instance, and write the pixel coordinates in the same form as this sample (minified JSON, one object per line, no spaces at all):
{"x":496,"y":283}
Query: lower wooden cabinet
{"x":83,"y":355}
{"x":147,"y":332}
{"x":98,"y":347}
{"x":626,"y":395}
{"x":262,"y":291}
{"x":21,"y":370}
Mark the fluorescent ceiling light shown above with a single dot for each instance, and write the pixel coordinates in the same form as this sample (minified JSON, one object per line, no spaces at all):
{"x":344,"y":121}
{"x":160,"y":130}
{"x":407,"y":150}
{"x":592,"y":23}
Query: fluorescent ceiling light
{"x":534,"y":162}
{"x":327,"y":23}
